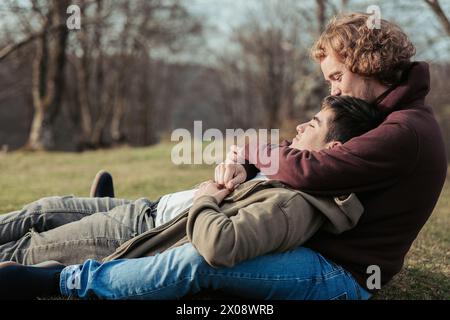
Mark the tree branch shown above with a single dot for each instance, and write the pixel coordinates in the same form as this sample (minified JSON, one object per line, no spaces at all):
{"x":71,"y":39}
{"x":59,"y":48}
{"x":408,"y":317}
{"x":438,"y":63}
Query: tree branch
{"x":6,"y":51}
{"x":437,"y":9}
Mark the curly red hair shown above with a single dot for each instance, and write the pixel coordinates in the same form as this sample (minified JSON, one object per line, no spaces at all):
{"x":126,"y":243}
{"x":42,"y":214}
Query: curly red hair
{"x":381,"y":53}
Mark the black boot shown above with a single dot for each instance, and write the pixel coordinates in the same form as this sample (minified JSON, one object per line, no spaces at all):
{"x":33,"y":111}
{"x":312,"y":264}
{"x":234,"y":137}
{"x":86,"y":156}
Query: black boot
{"x":102,"y":186}
{"x":19,"y":282}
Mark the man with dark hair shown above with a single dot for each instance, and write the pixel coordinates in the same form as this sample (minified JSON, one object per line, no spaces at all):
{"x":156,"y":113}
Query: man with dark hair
{"x":225,"y":228}
{"x":350,"y":118}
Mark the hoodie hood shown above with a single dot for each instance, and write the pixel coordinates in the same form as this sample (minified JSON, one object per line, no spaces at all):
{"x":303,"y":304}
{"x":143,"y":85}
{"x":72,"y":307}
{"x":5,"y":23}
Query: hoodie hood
{"x":409,"y":92}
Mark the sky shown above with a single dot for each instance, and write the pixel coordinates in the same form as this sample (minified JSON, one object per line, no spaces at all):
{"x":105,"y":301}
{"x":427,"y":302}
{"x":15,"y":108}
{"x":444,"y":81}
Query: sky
{"x":413,"y":15}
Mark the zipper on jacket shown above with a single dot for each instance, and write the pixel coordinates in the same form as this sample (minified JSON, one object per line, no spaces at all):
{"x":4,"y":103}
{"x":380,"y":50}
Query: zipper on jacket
{"x":246,"y":192}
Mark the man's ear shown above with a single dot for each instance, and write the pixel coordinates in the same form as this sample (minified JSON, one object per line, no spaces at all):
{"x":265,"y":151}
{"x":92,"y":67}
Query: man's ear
{"x":333,"y":144}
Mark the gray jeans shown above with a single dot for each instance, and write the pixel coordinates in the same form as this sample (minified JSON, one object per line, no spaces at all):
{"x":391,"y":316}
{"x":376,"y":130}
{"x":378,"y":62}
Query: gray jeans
{"x":71,"y":230}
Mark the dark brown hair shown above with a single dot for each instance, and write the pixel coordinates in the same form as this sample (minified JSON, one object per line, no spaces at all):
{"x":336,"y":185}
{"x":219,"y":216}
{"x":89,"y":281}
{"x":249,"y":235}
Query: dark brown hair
{"x":352,"y":117}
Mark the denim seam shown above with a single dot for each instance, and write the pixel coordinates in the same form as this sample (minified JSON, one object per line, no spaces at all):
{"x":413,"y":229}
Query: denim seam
{"x":64,"y":210}
{"x":73,"y":241}
{"x":358,"y":288}
{"x":358,"y":291}
{"x":318,"y":279}
{"x":337,"y":297}
{"x":62,"y":283}
{"x":63,"y":279}
{"x":46,"y":211}
{"x":333,"y":274}
{"x":155,"y":289}
{"x":119,"y":222}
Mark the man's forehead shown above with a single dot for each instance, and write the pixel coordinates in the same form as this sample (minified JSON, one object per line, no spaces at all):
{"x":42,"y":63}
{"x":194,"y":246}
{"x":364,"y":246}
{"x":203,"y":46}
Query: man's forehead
{"x":319,"y":114}
{"x":324,"y":114}
{"x":330,"y":65}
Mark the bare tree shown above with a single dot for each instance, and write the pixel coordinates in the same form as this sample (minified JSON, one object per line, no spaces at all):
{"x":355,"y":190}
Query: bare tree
{"x":117,"y":47}
{"x":90,"y":71}
{"x":237,"y":96}
{"x":44,"y":27}
{"x":107,"y":64}
{"x":273,"y":48}
{"x":440,"y":14}
{"x":321,"y":14}
{"x":48,"y":76}
{"x":161,"y":27}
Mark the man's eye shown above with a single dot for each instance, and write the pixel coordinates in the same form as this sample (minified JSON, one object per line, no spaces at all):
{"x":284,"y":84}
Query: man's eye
{"x":311,"y":125}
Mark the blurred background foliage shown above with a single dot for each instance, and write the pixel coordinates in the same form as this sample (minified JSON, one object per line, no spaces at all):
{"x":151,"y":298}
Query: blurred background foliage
{"x":136,"y":70}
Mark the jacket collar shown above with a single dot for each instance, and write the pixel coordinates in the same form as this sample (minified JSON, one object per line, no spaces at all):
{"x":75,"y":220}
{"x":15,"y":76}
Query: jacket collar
{"x":411,"y":90}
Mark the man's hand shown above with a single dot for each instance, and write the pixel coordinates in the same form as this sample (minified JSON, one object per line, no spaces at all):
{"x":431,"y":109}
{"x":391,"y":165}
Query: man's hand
{"x":210,"y":188}
{"x":235,"y":155}
{"x":230,"y":175}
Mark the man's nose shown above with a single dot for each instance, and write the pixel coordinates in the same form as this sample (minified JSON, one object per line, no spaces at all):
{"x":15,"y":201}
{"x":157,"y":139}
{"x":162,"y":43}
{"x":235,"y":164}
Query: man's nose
{"x":335,"y":91}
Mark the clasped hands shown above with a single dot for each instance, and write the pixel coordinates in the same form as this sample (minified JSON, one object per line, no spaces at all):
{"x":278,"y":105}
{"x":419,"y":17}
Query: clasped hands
{"x":227,"y":176}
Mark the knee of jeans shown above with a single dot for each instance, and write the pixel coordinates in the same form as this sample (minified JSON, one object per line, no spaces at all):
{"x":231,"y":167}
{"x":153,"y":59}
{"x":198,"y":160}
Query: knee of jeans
{"x":193,"y":258}
{"x":42,"y":202}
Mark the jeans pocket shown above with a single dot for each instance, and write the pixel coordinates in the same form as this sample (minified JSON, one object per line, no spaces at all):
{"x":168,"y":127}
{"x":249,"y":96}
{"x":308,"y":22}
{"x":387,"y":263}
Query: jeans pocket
{"x":341,"y":296}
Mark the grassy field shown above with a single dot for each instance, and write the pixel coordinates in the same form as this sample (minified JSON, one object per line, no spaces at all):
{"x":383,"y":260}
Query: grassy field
{"x":148,"y":172}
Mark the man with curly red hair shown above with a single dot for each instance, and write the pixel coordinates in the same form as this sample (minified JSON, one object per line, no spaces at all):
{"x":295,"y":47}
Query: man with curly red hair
{"x":398,"y":169}
{"x":362,"y":61}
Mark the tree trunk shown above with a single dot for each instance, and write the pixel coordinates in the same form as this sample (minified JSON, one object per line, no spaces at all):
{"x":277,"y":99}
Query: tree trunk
{"x":116,"y":130}
{"x":147,"y":102}
{"x":41,"y":135}
{"x":85,"y":106}
{"x":321,"y":15}
{"x":48,"y":80}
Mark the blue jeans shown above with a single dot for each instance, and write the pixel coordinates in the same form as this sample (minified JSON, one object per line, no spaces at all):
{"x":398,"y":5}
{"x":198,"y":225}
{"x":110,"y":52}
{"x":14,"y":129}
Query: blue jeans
{"x":297,"y":274}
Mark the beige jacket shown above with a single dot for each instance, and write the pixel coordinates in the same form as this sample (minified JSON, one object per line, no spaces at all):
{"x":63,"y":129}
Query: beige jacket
{"x":257,"y":218}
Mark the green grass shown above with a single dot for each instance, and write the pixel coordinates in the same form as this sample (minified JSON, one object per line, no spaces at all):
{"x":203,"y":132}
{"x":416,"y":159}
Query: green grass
{"x":148,"y":172}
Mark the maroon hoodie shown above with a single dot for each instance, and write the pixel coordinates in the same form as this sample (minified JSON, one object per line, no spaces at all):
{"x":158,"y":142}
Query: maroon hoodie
{"x":397,"y":170}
